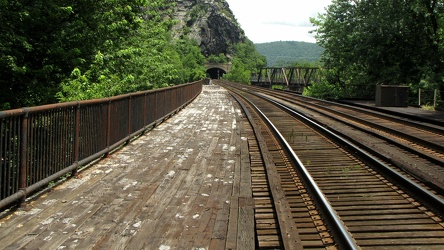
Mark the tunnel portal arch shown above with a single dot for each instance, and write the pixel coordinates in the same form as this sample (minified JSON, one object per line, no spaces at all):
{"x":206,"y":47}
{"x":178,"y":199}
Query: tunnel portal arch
{"x":217,"y":70}
{"x":215,"y":73}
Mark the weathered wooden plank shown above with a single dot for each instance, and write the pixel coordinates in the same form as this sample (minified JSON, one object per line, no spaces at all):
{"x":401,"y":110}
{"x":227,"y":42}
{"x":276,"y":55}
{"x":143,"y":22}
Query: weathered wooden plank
{"x":52,"y":209}
{"x":246,"y":237}
{"x":180,"y":183}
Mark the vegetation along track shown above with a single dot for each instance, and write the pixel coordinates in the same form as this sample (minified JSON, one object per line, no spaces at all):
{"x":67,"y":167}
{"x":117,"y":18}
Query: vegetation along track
{"x":374,"y":211}
{"x":414,"y":146}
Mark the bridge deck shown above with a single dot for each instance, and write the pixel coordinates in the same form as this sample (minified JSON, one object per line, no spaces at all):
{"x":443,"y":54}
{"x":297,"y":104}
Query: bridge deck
{"x":178,"y":186}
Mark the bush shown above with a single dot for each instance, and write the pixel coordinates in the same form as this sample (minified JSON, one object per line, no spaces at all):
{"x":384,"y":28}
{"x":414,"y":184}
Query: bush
{"x":323,"y":90}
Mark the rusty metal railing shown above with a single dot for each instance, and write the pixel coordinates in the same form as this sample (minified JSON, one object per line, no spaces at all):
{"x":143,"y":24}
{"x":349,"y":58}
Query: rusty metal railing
{"x":39,"y":145}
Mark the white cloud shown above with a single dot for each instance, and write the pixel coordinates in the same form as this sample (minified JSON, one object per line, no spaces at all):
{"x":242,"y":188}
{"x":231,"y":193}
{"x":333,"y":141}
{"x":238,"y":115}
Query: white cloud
{"x":277,"y":20}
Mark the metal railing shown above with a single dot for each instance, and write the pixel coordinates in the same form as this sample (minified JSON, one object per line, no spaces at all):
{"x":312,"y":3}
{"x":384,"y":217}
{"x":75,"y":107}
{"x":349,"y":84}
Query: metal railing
{"x":430,"y":97}
{"x":40,"y":144}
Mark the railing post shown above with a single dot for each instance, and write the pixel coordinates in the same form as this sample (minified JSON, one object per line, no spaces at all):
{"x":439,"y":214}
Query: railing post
{"x":144,"y":110}
{"x":155,"y":106}
{"x":129,"y":118}
{"x":23,"y":155}
{"x":76,"y":137}
{"x":435,"y":98}
{"x":108,"y":128}
{"x":419,"y":97}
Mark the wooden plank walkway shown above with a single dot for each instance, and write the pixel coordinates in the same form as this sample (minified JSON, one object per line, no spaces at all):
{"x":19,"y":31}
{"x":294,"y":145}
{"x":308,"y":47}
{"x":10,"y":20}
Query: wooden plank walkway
{"x":183,"y":185}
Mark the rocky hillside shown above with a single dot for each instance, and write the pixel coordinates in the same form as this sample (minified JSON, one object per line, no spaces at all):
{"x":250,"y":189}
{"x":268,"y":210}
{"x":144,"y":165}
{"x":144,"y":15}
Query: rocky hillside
{"x":210,"y":22}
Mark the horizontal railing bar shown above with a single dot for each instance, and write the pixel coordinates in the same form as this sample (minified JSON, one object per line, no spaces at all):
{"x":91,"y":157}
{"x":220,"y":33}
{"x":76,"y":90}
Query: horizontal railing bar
{"x":73,"y":104}
{"x":40,"y":126}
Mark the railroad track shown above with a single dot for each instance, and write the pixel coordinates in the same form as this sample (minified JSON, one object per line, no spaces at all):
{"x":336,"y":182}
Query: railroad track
{"x":416,"y":147}
{"x":423,"y":138}
{"x":319,"y":194}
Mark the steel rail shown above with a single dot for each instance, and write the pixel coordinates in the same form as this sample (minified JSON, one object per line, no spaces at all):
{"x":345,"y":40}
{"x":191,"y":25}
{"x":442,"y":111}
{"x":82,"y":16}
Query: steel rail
{"x":423,"y":142}
{"x":343,"y":237}
{"x":290,"y":237}
{"x":434,"y":201}
{"x":438,"y":148}
{"x":414,"y":121}
{"x":394,"y":113}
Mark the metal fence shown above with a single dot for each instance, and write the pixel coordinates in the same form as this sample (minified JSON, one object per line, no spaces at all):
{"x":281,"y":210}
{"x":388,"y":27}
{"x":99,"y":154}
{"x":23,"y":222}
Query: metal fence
{"x":39,"y":145}
{"x":430,"y":97}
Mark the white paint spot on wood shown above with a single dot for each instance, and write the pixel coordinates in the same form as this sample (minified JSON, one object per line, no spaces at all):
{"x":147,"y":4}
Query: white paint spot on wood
{"x":134,"y":183}
{"x":30,"y":212}
{"x":171,"y":174}
{"x":49,"y":237}
{"x":75,"y":183}
{"x":137,"y":224}
{"x":47,"y":221}
{"x":66,"y":220}
{"x":49,"y":202}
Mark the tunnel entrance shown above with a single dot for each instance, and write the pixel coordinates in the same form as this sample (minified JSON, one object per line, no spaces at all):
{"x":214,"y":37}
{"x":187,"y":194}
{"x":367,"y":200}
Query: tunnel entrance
{"x":215,"y":73}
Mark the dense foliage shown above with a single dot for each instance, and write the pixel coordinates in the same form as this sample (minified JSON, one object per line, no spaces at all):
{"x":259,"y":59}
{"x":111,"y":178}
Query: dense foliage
{"x":382,"y":42}
{"x":56,"y":50}
{"x":246,"y":62}
{"x":284,"y":53}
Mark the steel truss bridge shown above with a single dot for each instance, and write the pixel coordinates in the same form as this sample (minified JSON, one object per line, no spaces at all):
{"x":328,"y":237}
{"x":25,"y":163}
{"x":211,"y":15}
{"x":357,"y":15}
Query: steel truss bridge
{"x":293,"y":78}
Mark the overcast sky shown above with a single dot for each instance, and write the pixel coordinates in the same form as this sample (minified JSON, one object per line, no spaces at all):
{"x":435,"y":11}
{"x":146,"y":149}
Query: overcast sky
{"x":277,"y":20}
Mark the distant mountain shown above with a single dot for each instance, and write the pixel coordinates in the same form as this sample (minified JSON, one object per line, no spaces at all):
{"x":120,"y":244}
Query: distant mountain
{"x":283,"y":53}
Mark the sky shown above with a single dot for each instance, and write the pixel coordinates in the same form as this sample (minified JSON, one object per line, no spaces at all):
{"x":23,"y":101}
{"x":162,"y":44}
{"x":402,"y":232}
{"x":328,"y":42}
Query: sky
{"x":277,"y":20}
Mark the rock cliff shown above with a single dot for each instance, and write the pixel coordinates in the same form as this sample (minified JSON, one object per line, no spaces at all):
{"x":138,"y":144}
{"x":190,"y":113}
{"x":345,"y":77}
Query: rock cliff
{"x":211,"y":23}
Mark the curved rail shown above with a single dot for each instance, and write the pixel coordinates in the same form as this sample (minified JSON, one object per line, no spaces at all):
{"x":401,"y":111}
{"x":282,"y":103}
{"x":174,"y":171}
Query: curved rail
{"x":424,"y":160}
{"x":342,"y":235}
{"x":374,"y":195}
{"x":432,"y":199}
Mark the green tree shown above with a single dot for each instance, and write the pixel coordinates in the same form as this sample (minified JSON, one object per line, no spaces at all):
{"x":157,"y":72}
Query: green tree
{"x":142,"y":60}
{"x":385,"y":41}
{"x":43,"y":41}
{"x":239,"y":72}
{"x":247,"y":61}
{"x":191,"y":60}
{"x":221,"y":58}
